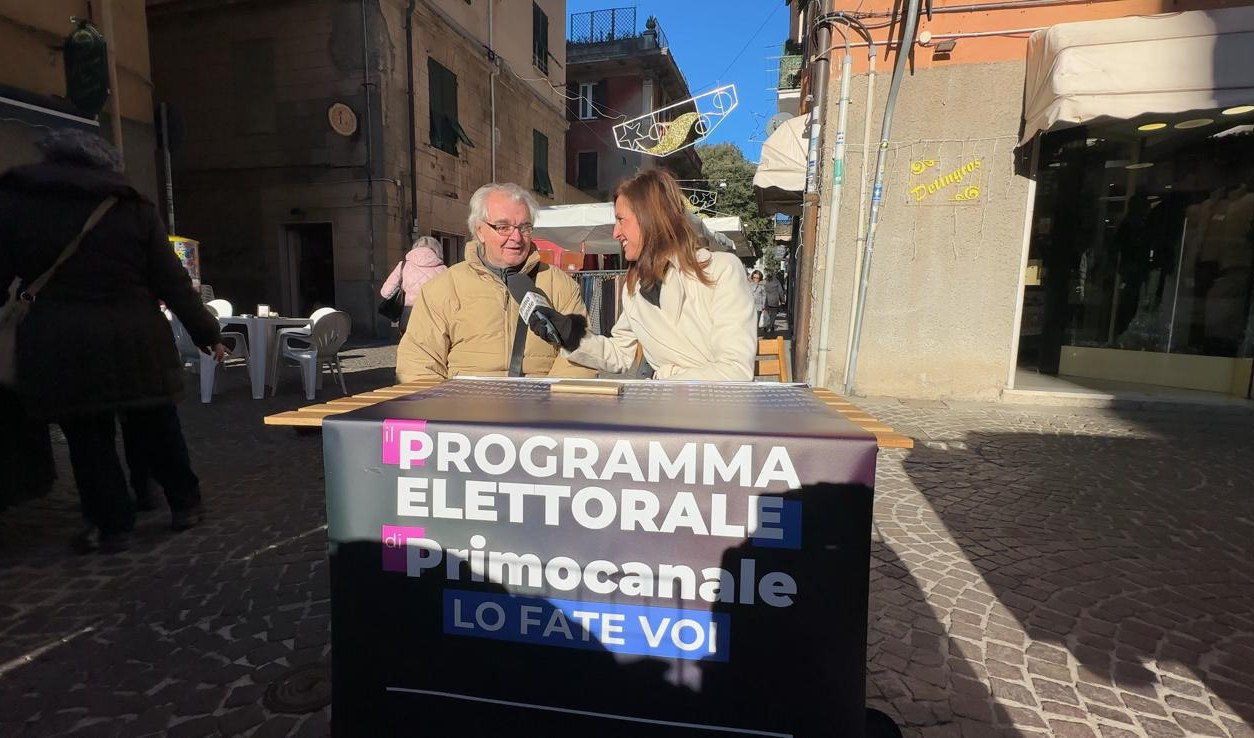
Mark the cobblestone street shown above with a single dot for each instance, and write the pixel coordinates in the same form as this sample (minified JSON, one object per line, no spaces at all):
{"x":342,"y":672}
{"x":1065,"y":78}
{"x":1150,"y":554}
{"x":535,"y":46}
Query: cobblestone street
{"x":1036,"y":572}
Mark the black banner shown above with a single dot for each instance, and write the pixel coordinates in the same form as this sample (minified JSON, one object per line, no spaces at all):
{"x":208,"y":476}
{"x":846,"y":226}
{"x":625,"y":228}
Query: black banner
{"x":684,"y":559}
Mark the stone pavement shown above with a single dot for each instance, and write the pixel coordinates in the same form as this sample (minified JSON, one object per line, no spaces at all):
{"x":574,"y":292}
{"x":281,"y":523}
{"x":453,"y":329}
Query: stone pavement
{"x":1055,"y":572}
{"x":1036,"y":572}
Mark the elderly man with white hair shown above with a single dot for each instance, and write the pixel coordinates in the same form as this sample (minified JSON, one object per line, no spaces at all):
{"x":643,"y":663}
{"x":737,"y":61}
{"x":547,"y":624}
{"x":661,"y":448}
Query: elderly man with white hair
{"x":465,"y":321}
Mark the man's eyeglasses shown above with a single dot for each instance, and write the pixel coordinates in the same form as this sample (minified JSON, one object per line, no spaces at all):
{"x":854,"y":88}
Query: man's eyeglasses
{"x":504,"y":229}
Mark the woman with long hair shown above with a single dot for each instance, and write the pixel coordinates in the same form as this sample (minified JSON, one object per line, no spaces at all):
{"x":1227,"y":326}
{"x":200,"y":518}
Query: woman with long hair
{"x":688,"y":309}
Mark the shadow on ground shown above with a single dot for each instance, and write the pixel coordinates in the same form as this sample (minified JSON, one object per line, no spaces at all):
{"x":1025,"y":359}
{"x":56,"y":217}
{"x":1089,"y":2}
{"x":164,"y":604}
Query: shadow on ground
{"x":1127,"y":561}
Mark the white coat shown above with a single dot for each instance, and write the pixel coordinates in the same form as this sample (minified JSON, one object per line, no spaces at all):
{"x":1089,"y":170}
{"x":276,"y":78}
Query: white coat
{"x":698,"y":332}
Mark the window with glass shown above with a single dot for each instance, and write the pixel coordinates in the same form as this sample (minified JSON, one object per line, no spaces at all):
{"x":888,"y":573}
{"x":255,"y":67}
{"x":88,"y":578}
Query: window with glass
{"x":586,"y":170}
{"x":539,"y":38}
{"x":1142,"y":241}
{"x":540,"y":181}
{"x":586,"y":109}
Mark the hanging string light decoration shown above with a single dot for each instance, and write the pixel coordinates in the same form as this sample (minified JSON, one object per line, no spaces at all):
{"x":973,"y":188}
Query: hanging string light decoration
{"x":677,"y":126}
{"x":700,"y":200}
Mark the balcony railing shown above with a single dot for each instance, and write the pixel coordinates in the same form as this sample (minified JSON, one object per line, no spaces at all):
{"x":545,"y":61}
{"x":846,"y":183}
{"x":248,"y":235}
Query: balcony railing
{"x":610,"y":25}
{"x":790,"y":72}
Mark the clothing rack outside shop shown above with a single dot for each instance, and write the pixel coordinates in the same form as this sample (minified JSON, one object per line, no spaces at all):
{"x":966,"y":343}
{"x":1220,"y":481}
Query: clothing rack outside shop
{"x":602,"y":295}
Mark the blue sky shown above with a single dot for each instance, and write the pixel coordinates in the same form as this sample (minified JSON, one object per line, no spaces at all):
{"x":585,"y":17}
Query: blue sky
{"x":705,"y":37}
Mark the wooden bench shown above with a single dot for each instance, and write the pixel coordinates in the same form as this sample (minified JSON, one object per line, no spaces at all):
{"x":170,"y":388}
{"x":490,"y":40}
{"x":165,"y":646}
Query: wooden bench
{"x":311,"y":416}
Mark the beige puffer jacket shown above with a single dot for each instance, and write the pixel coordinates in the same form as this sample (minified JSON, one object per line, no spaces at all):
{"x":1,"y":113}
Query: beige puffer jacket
{"x":463,"y":322}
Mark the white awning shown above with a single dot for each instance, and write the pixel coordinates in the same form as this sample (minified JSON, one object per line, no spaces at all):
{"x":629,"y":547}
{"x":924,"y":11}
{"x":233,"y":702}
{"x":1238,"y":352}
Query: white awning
{"x":732,"y":227}
{"x":592,"y":225}
{"x":568,"y":226}
{"x":1126,"y":67}
{"x":781,"y":177}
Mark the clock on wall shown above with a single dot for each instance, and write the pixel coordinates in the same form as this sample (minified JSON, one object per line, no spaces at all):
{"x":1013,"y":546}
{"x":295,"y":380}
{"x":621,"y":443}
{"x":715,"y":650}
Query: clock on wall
{"x":343,"y":119}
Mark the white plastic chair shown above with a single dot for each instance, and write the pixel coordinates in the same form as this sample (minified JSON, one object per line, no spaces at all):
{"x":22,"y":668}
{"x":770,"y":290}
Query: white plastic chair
{"x":202,"y":363}
{"x":223,"y":308}
{"x":296,"y":330}
{"x":235,"y":341}
{"x":328,"y":331}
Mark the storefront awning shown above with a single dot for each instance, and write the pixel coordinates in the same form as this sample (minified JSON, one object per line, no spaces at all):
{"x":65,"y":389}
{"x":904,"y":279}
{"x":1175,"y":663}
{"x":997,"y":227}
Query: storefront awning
{"x":781,"y":176}
{"x":590,"y":228}
{"x":570,"y":226}
{"x":1126,"y":67}
{"x":732,"y":227}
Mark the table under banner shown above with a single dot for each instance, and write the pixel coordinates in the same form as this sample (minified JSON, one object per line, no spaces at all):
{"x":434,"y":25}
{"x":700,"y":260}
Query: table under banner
{"x":677,"y":559}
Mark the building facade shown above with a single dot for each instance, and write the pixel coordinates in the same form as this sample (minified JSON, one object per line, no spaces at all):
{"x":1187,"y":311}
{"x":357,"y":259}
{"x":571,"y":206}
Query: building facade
{"x":323,"y":136}
{"x":33,"y":94}
{"x":1011,"y":259}
{"x":618,"y":68}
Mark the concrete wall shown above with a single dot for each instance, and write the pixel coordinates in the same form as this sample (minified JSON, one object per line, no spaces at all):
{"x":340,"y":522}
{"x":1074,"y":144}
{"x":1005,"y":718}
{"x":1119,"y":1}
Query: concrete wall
{"x":943,"y":287}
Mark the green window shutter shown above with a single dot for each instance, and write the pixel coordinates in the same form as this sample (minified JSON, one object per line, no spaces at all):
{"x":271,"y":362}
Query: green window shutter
{"x":540,"y":181}
{"x":442,"y":97}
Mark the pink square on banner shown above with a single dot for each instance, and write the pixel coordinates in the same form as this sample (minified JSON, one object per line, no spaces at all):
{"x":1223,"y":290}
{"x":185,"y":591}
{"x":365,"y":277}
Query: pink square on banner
{"x":392,"y":439}
{"x":395,"y":542}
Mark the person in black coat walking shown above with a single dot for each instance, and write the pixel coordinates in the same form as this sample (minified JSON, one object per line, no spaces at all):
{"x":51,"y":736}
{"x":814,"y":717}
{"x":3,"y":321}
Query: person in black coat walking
{"x":95,"y":346}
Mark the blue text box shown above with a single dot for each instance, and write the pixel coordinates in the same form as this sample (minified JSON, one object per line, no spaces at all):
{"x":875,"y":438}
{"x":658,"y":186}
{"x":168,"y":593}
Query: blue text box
{"x":663,"y":632}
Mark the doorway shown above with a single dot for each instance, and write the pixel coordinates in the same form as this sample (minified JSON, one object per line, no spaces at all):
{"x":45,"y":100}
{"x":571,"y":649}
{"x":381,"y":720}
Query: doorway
{"x":453,"y":247}
{"x":308,"y":268}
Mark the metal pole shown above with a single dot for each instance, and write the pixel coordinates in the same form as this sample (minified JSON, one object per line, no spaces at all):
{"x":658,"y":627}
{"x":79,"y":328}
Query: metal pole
{"x":818,"y":359}
{"x":492,"y":86}
{"x":800,"y":299}
{"x":365,"y":88}
{"x":413,"y":124}
{"x":877,"y":192}
{"x":115,"y":95}
{"x":1175,"y":295}
{"x":861,"y":241}
{"x":165,"y":158}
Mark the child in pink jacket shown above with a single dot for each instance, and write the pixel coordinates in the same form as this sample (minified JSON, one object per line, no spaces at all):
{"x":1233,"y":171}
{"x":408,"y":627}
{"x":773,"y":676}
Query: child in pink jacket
{"x":419,"y":266}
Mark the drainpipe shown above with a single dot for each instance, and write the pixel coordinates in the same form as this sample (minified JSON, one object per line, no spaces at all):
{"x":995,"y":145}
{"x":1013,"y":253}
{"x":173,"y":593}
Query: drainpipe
{"x":164,"y":111}
{"x":877,"y":192}
{"x":365,"y":88}
{"x":496,"y":69}
{"x":818,"y":358}
{"x":861,"y":242}
{"x":115,"y":93}
{"x":804,"y":263}
{"x":413,"y":125}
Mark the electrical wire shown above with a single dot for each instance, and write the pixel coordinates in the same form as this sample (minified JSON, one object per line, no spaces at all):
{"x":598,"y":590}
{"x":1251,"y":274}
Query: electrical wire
{"x":600,"y":108}
{"x":735,"y":58}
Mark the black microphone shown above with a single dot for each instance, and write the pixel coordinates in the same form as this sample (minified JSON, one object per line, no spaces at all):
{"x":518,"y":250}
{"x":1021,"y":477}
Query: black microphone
{"x":534,"y":308}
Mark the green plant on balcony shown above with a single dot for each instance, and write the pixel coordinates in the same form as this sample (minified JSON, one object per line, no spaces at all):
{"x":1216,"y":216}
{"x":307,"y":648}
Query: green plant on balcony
{"x":790,"y":72}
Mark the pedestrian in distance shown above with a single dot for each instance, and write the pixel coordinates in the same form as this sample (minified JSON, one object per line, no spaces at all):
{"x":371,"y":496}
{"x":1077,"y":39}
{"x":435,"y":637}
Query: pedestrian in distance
{"x":95,"y":345}
{"x":774,"y":292}
{"x":421,"y":264}
{"x":759,"y":300}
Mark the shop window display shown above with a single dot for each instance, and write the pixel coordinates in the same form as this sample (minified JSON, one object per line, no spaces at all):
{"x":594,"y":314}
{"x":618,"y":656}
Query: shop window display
{"x":1143,"y":240}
